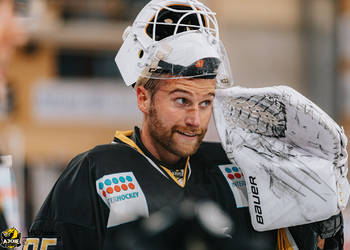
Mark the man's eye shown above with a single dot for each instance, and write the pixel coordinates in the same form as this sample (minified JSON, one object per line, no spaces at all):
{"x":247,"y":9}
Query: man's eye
{"x":205,"y":104}
{"x":181,"y":101}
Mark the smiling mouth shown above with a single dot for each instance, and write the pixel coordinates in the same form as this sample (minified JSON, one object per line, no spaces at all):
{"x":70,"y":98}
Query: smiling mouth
{"x":187,"y":134}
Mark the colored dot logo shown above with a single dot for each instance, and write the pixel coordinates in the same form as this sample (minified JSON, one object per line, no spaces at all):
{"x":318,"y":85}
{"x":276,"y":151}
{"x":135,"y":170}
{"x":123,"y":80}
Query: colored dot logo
{"x":117,"y":188}
{"x":125,"y":184}
{"x":228,"y":170}
{"x":233,"y":173}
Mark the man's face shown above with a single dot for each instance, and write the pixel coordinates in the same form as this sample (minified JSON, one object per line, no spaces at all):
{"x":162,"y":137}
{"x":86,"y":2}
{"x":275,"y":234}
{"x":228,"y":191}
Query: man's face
{"x":179,"y":114}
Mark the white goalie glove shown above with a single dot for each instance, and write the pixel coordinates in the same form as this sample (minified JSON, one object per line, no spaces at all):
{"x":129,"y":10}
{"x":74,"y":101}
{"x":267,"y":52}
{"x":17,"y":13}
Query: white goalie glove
{"x":292,"y":154}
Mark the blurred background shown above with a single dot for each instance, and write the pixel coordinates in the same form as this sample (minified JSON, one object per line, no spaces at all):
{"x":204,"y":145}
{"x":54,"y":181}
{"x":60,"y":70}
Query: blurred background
{"x":65,"y":94}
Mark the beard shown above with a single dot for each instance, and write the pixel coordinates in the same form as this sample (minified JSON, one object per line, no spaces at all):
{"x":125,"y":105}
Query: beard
{"x":166,"y":137}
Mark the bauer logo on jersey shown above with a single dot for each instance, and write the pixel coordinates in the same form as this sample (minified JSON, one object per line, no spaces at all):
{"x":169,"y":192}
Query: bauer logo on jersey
{"x":123,"y":195}
{"x":234,"y":177}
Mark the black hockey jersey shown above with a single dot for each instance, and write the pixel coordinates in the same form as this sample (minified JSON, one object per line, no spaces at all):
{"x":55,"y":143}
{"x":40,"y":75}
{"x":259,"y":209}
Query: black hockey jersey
{"x":105,"y":189}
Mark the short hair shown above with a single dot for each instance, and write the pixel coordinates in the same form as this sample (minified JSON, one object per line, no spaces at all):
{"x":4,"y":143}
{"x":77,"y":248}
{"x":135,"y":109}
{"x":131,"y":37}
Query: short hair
{"x":150,"y":84}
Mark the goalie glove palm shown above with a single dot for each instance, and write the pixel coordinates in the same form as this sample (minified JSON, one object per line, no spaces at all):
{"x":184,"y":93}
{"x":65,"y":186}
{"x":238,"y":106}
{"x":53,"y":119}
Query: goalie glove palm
{"x":292,"y":154}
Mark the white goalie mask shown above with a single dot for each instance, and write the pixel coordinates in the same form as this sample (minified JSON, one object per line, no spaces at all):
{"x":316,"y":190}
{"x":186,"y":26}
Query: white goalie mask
{"x":174,"y":39}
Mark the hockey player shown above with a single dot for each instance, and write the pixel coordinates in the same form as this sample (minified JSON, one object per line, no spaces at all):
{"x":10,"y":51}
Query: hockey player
{"x":174,"y":59}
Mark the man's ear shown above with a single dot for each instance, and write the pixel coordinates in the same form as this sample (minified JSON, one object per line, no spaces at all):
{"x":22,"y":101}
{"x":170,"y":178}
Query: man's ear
{"x":143,"y":99}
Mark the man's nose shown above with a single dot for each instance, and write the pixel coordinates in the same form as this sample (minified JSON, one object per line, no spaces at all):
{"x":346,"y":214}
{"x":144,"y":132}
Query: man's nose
{"x":193,"y":117}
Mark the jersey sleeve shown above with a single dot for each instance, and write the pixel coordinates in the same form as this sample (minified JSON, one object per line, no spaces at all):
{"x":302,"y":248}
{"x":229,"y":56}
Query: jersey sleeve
{"x":73,"y":216}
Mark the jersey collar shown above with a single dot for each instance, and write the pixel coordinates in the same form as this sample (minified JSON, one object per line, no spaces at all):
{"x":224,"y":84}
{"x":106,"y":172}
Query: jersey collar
{"x":127,"y":138}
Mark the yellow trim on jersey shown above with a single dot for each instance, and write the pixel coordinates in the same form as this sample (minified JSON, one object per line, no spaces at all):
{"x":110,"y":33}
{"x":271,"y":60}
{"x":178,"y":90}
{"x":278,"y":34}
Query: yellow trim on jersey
{"x":123,"y":136}
{"x":174,"y":178}
{"x":283,"y":242}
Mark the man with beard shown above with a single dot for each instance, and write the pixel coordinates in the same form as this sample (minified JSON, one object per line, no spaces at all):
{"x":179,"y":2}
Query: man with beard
{"x":173,"y":58}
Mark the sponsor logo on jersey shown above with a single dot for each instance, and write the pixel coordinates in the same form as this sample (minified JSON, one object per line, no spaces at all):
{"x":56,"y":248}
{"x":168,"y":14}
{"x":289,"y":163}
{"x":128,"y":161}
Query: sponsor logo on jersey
{"x":235,"y":179}
{"x":123,"y":195}
{"x":10,"y":238}
{"x":117,"y":188}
